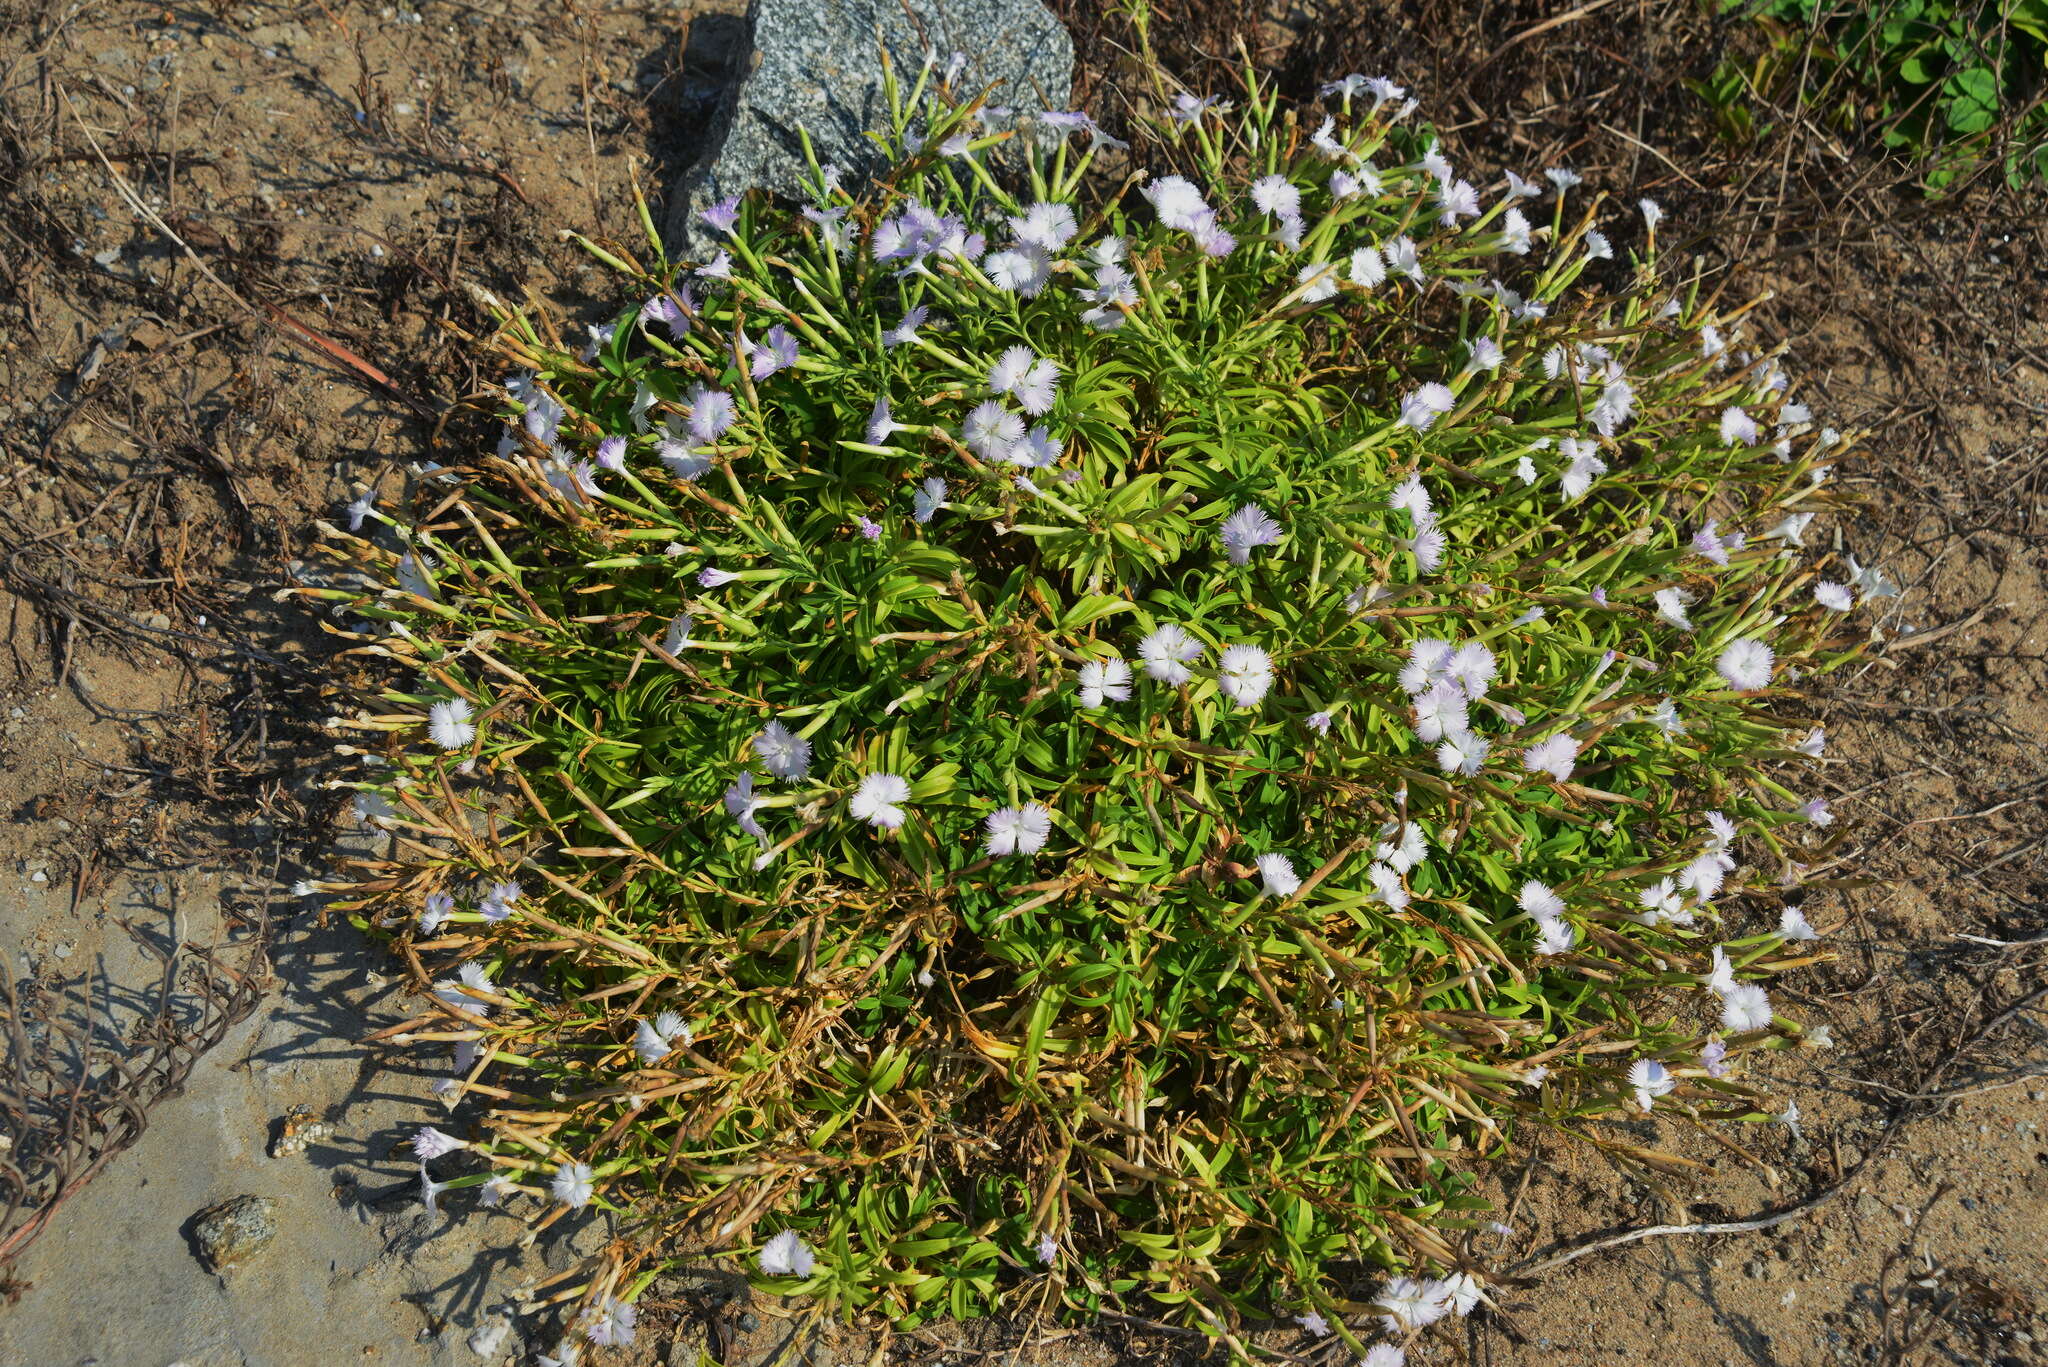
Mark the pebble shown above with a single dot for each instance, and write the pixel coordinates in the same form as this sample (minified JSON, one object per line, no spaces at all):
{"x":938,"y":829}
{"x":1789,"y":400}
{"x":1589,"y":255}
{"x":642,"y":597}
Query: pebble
{"x":235,"y":1231}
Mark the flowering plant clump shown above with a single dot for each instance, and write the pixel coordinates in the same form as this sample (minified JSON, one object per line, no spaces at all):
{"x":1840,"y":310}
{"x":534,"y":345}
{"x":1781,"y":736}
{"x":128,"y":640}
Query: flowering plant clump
{"x":1097,"y":743}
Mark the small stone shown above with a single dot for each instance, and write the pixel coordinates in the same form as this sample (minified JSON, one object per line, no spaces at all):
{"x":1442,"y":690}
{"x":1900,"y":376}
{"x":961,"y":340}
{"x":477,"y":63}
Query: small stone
{"x":234,"y":1231}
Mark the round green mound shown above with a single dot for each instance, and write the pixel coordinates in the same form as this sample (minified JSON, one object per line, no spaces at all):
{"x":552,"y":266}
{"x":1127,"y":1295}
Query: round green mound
{"x":1094,"y":739}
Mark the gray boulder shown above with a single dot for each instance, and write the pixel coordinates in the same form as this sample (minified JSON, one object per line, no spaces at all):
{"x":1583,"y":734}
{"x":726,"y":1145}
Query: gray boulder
{"x":816,"y":66}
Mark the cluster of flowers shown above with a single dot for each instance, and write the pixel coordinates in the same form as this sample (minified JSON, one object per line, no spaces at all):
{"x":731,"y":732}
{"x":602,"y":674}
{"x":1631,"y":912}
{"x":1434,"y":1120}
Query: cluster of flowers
{"x":1004,"y":441}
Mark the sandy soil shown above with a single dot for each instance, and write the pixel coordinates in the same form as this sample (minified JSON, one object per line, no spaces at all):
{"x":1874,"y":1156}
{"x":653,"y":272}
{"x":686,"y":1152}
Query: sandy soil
{"x":177,"y":411}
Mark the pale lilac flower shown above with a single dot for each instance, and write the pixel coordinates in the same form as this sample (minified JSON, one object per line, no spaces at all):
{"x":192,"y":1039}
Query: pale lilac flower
{"x":1319,"y":722}
{"x":1671,"y":607}
{"x":1188,"y":109}
{"x":1814,"y":742}
{"x":1167,"y":651}
{"x":1703,"y":877}
{"x":430,"y":1190}
{"x":1177,"y":202}
{"x":655,"y":1040}
{"x":1383,"y":1355}
{"x":1816,"y":811}
{"x":1870,"y":582}
{"x":1486,"y":354}
{"x":776,"y":351}
{"x":497,"y":902}
{"x":1612,"y":410}
{"x":1039,"y":449}
{"x":1745,"y":1006}
{"x":1660,"y":902}
{"x":1411,"y":497}
{"x":1522,"y":189}
{"x":428,"y":1142}
{"x":1462,"y":753}
{"x":1456,"y":201}
{"x":1405,"y":852}
{"x":1344,"y":185}
{"x":1554,"y":755}
{"x":1651,"y":1080}
{"x":1707,"y":541}
{"x":1440,"y":712}
{"x":360,"y":509}
{"x":1745,"y":664}
{"x":1586,"y":466}
{"x":1018,"y":830}
{"x":1104,"y":679}
{"x":1563,"y":178}
{"x":1427,"y":546}
{"x":929,"y":498}
{"x":685,"y":464}
{"x":1019,"y":269}
{"x":991,"y":430}
{"x":677,"y":637}
{"x":1737,"y":427}
{"x":1314,"y":1324}
{"x":435,"y":913}
{"x":1410,"y":1305}
{"x":611,"y":454}
{"x":494,"y":1192}
{"x":712,"y":577}
{"x":573,"y":1185}
{"x":906,"y":331}
{"x":869,"y":529}
{"x":1402,"y":258}
{"x":882,"y":423}
{"x":1534,"y":1077}
{"x":1792,"y":530}
{"x":449,"y":725}
{"x":1472,"y":667}
{"x":1714,"y":1058}
{"x":1793,"y":925}
{"x":878,"y":800}
{"x":1387,"y":886}
{"x":722,"y":215}
{"x":741,"y":804}
{"x":1036,"y":390}
{"x":1720,"y":978}
{"x":1540,"y":900}
{"x":1422,"y":407}
{"x":1247,"y":528}
{"x":1465,"y":1292}
{"x":1244,"y":674}
{"x":1555,"y":936}
{"x":1428,"y":664}
{"x":783,"y":751}
{"x":610,"y":1323}
{"x":1517,"y":237}
{"x":786,"y":1255}
{"x":1318,"y":280}
{"x":1832,"y":596}
{"x":1277,"y":875}
{"x":711,"y":413}
{"x":1276,"y":196}
{"x":1324,"y":140}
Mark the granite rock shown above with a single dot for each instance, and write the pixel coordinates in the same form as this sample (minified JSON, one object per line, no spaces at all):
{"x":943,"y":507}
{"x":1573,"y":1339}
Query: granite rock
{"x":235,"y":1231}
{"x":816,"y":66}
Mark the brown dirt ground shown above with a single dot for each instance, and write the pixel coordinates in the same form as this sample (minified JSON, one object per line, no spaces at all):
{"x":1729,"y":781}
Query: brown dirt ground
{"x":174,"y":416}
